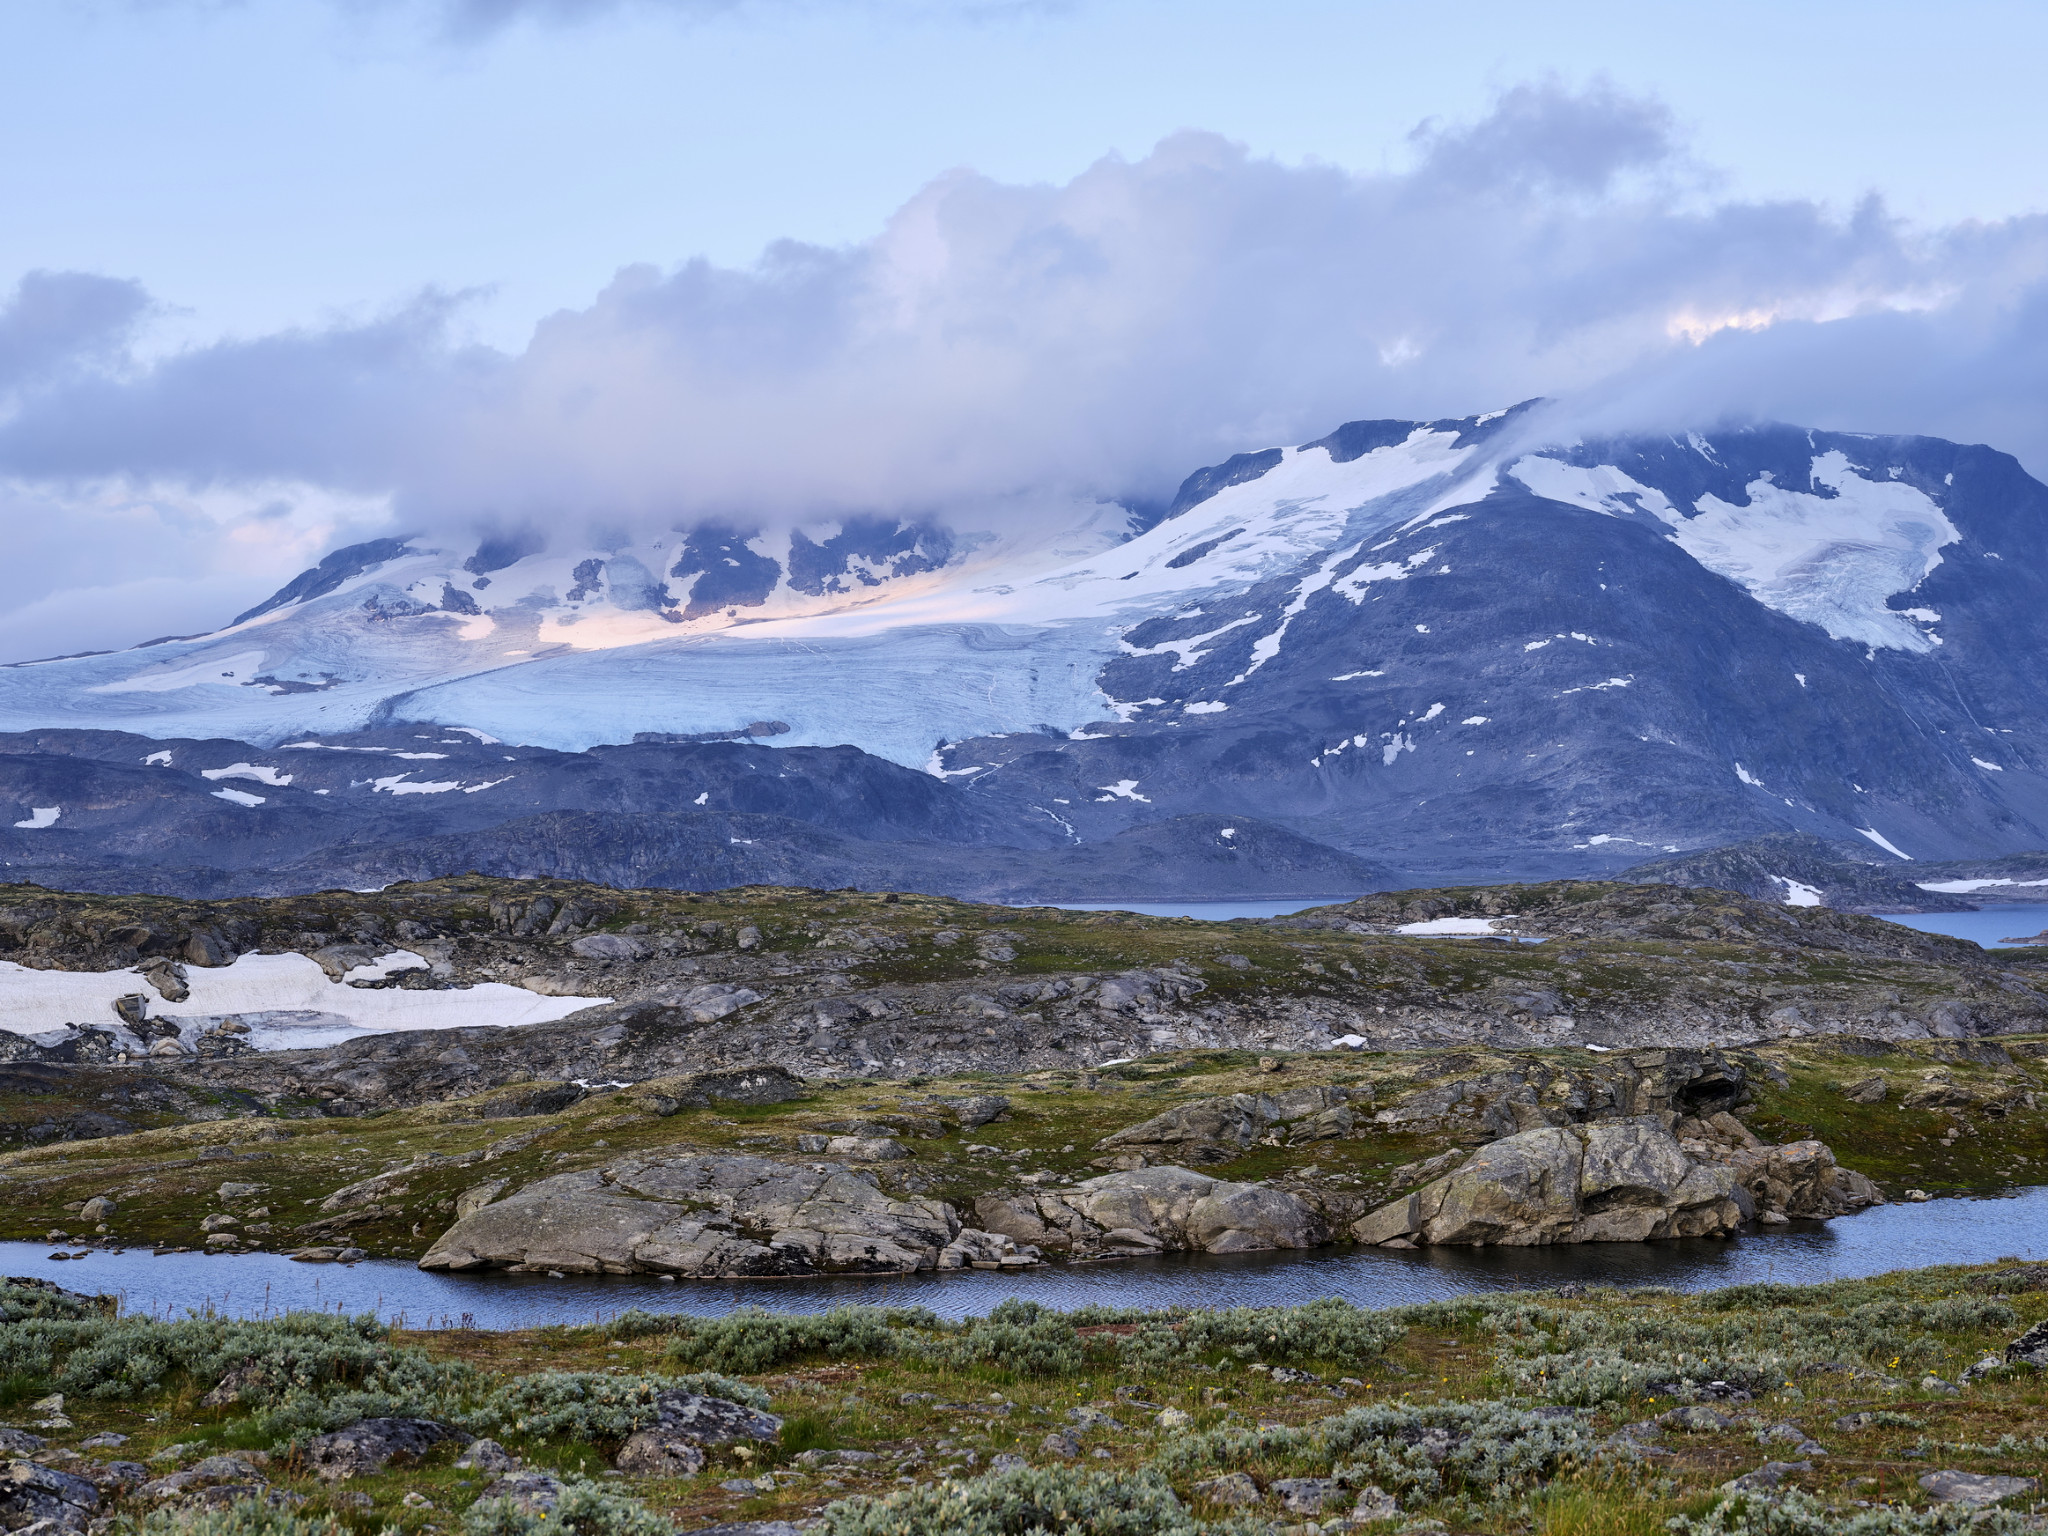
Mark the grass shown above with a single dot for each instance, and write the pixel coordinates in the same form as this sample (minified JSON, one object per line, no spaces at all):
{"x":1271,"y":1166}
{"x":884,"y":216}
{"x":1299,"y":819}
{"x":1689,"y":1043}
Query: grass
{"x":922,"y":1413}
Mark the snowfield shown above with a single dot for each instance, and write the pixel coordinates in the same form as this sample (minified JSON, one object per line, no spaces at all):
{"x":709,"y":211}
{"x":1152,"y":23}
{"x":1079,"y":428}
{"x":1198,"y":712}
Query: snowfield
{"x":286,"y":1000}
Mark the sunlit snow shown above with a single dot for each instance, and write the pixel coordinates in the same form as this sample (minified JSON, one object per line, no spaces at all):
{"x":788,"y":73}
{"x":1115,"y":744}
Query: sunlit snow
{"x":1798,"y":895}
{"x":41,"y":816}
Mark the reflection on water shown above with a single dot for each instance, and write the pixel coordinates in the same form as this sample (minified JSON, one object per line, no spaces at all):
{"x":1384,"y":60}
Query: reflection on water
{"x":1208,"y":911}
{"x":1971,"y":1231}
{"x":1988,"y":926}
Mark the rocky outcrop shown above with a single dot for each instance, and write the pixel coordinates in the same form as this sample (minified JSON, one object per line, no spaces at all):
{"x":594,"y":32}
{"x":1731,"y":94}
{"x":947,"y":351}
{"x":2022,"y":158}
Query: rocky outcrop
{"x":702,"y":1216}
{"x":1154,"y":1210}
{"x":1220,"y":1129}
{"x":1618,"y":1181}
{"x":673,"y":1446}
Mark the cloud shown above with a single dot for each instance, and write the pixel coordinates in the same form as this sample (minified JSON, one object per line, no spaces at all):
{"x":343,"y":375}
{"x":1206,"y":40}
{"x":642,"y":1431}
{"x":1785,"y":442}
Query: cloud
{"x":995,"y":343}
{"x":55,"y":322}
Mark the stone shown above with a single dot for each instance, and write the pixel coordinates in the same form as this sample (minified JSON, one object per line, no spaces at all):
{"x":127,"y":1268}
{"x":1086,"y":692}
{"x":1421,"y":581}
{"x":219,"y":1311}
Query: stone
{"x":699,"y":1420}
{"x":610,"y":947}
{"x":533,"y":1492}
{"x":975,"y":1249}
{"x":976,"y":1110}
{"x":1173,"y":1418}
{"x":19,"y":1442}
{"x":1609,"y":1181}
{"x":31,"y":1492}
{"x":1219,"y":1129}
{"x":1869,"y":1091}
{"x":370,"y":1445}
{"x":487,"y":1456}
{"x":105,"y":1440}
{"x":1304,"y":1495}
{"x":2030,"y":1348}
{"x":755,"y":1528}
{"x":1973,"y":1490}
{"x":659,"y":1453}
{"x":234,"y":1191}
{"x":1003,"y":1461}
{"x":866,"y":1149}
{"x":1061,"y":1444}
{"x":116,"y":1476}
{"x":1150,"y":1210}
{"x":1769,"y":1475}
{"x":1695,"y":1419}
{"x":1234,"y":1490}
{"x":701,"y":1215}
{"x":1374,"y":1503}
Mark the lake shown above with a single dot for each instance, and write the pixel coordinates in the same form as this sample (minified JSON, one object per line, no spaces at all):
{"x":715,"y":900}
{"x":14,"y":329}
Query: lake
{"x":1959,"y":1231}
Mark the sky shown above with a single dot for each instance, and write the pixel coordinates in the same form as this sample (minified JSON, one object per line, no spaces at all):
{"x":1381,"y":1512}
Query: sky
{"x":282,"y":274}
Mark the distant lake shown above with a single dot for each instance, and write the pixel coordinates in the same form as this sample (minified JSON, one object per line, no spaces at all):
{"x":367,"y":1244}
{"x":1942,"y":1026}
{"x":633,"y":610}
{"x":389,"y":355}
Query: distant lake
{"x":1987,"y":926}
{"x":1208,"y":911}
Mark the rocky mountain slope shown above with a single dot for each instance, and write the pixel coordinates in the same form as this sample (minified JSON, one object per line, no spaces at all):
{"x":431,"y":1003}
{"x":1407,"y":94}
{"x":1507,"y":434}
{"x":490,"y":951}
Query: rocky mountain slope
{"x":1476,"y":648}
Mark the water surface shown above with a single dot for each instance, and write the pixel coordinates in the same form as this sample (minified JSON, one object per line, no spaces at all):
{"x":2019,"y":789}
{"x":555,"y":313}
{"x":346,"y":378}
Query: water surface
{"x":1959,"y":1231}
{"x":1988,"y":926}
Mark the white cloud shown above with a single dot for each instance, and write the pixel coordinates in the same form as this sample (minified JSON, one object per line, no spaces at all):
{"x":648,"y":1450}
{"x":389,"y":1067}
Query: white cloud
{"x":1104,"y":336}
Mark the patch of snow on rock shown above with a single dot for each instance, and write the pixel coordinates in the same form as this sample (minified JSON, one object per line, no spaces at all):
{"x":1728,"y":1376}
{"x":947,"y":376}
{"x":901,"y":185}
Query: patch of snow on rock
{"x":238,"y":797}
{"x":261,"y":773}
{"x":41,"y":816}
{"x":1450,"y":925}
{"x":1797,"y":894}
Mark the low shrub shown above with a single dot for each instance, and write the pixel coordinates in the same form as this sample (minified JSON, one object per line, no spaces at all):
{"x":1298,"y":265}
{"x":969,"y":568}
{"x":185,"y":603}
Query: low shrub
{"x":1027,"y":1502}
{"x":594,"y":1405}
{"x":752,"y":1340}
{"x":1798,"y":1514}
{"x":583,"y":1508}
{"x":244,"y":1517}
{"x":1483,"y":1451}
{"x":1017,"y":1336}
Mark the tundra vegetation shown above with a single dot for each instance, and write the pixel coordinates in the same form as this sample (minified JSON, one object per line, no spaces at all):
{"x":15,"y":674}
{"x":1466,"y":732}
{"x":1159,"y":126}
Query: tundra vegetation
{"x":1772,"y":1410}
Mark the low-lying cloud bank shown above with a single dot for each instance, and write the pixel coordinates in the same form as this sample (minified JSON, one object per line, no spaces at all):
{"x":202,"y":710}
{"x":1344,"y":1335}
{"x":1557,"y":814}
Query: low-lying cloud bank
{"x":995,"y":343}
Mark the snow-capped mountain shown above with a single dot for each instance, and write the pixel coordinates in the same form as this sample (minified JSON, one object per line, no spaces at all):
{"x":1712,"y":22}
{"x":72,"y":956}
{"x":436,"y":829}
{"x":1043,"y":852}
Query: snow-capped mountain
{"x":1456,"y":646}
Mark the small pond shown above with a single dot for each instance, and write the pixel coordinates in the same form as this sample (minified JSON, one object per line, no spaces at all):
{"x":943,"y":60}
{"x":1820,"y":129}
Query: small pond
{"x":1959,"y":1231}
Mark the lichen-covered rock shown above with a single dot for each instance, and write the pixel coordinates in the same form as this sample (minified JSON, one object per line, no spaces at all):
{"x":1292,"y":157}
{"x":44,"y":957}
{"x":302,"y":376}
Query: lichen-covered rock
{"x":974,"y":1249}
{"x":702,"y":1216}
{"x":31,"y":1492}
{"x":1219,"y":1129}
{"x":1612,"y":1181}
{"x":659,"y":1453}
{"x":370,"y":1445}
{"x":1153,"y":1210}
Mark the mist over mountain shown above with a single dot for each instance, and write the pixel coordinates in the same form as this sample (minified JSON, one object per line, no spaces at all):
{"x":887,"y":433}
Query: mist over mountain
{"x":1401,"y":652}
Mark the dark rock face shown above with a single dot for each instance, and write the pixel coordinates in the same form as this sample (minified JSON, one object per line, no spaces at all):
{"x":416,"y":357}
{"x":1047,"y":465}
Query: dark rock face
{"x":31,"y":1492}
{"x":374,"y":1444}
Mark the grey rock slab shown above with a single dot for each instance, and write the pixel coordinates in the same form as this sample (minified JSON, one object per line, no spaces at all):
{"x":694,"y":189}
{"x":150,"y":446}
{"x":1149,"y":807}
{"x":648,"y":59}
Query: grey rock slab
{"x":370,"y":1445}
{"x":2030,"y":1348}
{"x":533,"y":1492}
{"x":701,"y":1216}
{"x":1155,"y":1209}
{"x":1233,"y":1490}
{"x":659,"y":1453}
{"x":487,"y":1456}
{"x":30,"y":1492}
{"x":1695,"y":1419}
{"x":1974,"y":1489}
{"x":1769,"y":1475}
{"x":713,"y":1420}
{"x":1304,"y":1495}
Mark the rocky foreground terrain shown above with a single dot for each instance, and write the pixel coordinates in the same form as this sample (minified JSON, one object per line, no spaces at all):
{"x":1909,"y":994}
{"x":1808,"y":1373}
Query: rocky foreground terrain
{"x":790,"y":1082}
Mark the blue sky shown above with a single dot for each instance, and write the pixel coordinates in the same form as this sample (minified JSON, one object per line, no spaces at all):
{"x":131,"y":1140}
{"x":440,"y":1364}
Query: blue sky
{"x":282,"y":274}
{"x":267,"y":164}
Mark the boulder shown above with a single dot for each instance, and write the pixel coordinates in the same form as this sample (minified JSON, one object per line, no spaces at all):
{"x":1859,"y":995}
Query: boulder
{"x":1233,"y":1490}
{"x":1610,"y":1181}
{"x":976,"y":1109}
{"x":713,"y":1420}
{"x":370,"y":1445}
{"x":1973,"y":1490}
{"x":657,"y":1453}
{"x":973,"y":1249}
{"x":486,"y":1456}
{"x":701,"y":1216}
{"x":2030,"y":1348}
{"x":1150,"y":1210}
{"x":1801,"y":1178}
{"x":535,"y":1493}
{"x":31,"y":1492}
{"x":1220,"y":1129}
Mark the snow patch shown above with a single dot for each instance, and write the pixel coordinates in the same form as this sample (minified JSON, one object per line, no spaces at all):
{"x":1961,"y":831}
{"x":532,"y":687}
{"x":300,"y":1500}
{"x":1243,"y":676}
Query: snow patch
{"x":261,"y":773}
{"x":287,"y":1000}
{"x":1964,"y":887}
{"x":238,"y":797}
{"x":1881,"y":841}
{"x":229,"y":671}
{"x":1349,"y":677}
{"x":387,"y":965}
{"x":158,"y":760}
{"x":1747,"y":777}
{"x":1122,"y":789}
{"x":41,"y":816}
{"x":1988,"y":767}
{"x":402,"y":784}
{"x":1395,"y":746}
{"x":1798,"y":894}
{"x":1433,"y":711}
{"x":1475,"y":720}
{"x":1210,"y":708}
{"x":470,"y":730}
{"x":1450,"y":925}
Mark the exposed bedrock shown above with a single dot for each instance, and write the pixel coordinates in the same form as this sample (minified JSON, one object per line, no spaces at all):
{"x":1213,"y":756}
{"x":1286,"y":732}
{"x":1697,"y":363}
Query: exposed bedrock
{"x":1618,"y":1181}
{"x":1155,"y":1210}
